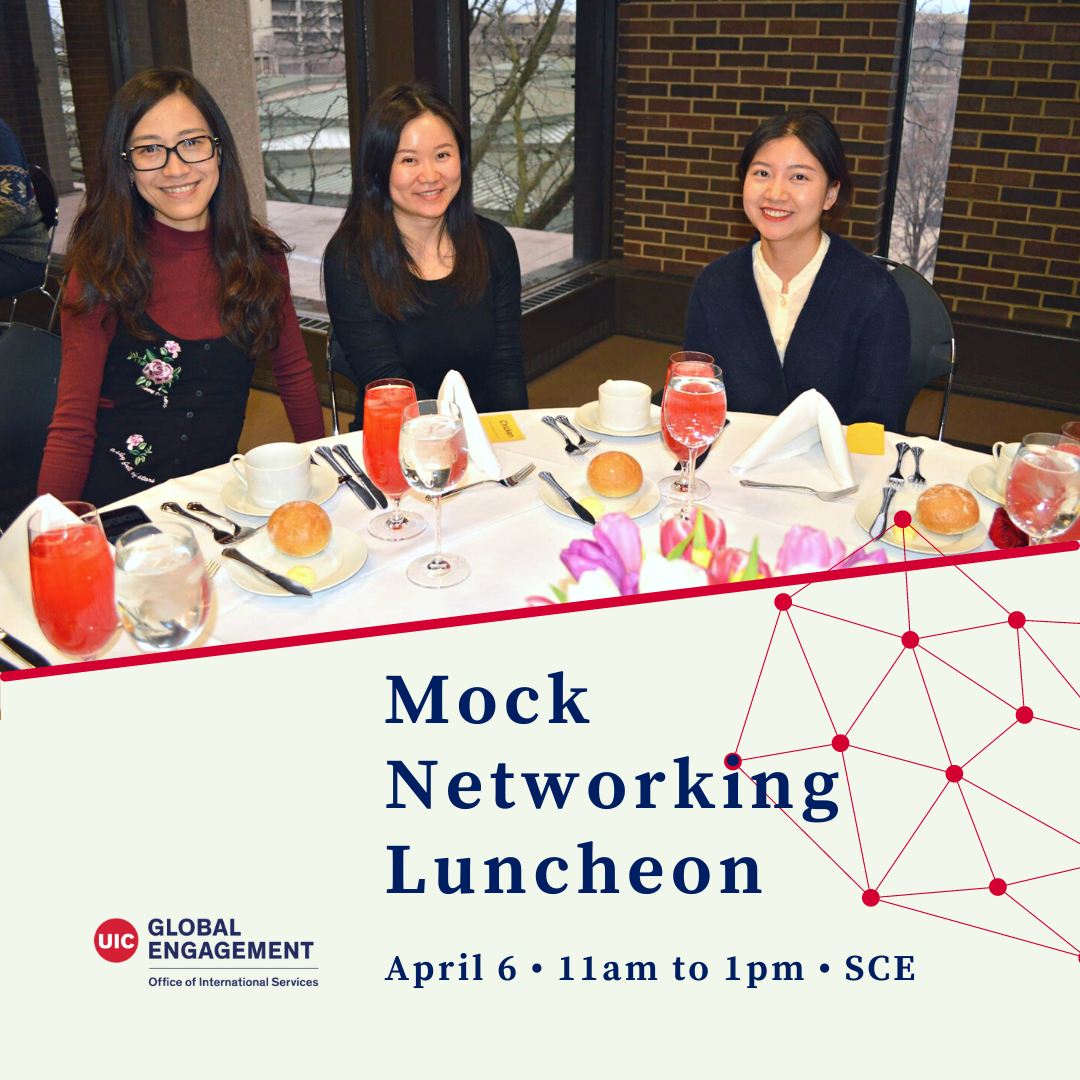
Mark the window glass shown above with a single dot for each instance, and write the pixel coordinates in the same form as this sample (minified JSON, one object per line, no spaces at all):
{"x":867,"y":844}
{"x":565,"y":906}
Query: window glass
{"x":521,"y":92}
{"x":937,"y":48}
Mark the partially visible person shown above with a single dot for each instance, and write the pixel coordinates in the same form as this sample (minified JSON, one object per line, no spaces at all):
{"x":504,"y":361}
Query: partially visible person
{"x":175,"y":289}
{"x":799,"y":307}
{"x":416,"y":282}
{"x":24,"y":240}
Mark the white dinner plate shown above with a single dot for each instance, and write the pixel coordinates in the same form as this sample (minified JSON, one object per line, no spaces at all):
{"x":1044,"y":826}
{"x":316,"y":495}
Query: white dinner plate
{"x":588,"y":417}
{"x":337,"y":562}
{"x":981,"y":479}
{"x":235,"y":497}
{"x":867,"y":510}
{"x":638,"y":505}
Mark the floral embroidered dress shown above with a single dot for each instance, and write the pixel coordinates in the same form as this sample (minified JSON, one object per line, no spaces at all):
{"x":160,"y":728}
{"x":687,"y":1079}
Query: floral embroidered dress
{"x":177,"y":406}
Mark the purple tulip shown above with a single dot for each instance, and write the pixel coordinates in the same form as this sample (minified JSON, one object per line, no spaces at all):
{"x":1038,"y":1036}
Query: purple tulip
{"x":615,"y":548}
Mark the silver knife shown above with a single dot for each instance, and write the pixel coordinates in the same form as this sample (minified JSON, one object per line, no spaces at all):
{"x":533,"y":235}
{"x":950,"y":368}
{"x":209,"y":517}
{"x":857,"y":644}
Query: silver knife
{"x":343,"y":452}
{"x":23,"y":651}
{"x":278,"y":579}
{"x":878,"y":527}
{"x":354,"y":485}
{"x":570,"y":500}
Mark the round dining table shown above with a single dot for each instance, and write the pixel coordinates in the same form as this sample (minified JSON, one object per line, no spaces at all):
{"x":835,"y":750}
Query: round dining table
{"x":510,"y":537}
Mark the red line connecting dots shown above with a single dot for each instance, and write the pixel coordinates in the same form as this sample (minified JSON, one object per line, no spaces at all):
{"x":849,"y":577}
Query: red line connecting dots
{"x":823,"y":727}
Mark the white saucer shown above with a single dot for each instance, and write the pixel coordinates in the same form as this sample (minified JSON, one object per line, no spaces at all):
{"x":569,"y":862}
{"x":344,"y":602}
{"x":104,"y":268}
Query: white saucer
{"x":867,"y":510}
{"x":638,"y":505}
{"x":981,"y":479}
{"x":235,"y":497}
{"x":337,"y":562}
{"x":588,"y":417}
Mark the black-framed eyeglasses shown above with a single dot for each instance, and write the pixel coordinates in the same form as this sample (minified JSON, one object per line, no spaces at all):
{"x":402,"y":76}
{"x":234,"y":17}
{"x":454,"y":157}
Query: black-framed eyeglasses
{"x":154,"y":156}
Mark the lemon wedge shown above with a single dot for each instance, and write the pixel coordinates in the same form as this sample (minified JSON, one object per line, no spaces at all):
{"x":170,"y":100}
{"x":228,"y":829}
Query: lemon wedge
{"x":302,"y":575}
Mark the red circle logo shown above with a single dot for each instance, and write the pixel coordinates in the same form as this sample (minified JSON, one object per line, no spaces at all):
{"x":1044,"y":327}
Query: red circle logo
{"x":116,"y":940}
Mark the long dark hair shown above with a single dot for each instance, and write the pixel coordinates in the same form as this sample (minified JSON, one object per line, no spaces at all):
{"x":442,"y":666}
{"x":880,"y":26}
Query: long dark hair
{"x":107,"y":248}
{"x":368,"y":229}
{"x":819,"y":137}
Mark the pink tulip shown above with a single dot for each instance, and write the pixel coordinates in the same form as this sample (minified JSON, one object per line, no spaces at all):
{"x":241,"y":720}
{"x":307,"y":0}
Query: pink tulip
{"x":806,"y":550}
{"x":866,"y":558}
{"x":730,"y":563}
{"x":615,"y":548}
{"x":675,"y":530}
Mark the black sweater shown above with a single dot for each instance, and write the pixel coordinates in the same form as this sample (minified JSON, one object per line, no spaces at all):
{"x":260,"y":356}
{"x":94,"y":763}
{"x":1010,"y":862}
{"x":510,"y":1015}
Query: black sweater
{"x":483,"y":343}
{"x":852,"y":340}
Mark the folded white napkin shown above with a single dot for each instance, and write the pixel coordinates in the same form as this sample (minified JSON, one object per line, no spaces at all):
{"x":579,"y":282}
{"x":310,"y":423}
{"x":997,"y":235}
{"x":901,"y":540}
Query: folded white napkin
{"x":15,"y":546}
{"x":481,"y":452}
{"x":807,"y":421}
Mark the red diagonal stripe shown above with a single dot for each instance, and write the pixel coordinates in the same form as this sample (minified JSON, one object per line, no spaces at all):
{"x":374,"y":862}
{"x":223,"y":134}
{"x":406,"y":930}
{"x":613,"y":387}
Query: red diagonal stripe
{"x":960,"y":922}
{"x":758,"y":683}
{"x":811,"y":670}
{"x":910,"y":838}
{"x":976,"y":828}
{"x":1025,"y":813}
{"x":1038,"y":920}
{"x":854,"y":817}
{"x":876,"y":689}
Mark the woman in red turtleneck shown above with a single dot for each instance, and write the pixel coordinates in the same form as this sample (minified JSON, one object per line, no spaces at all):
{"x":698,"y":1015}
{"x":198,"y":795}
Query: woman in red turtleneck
{"x":174,"y":289}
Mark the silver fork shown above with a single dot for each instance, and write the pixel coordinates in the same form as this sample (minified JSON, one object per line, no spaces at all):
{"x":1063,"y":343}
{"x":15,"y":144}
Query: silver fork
{"x":582,"y":441}
{"x":896,"y":476}
{"x":917,"y":477}
{"x":506,"y":481}
{"x":240,"y":532}
{"x":824,"y":496}
{"x":212,"y":567}
{"x":571,"y":447}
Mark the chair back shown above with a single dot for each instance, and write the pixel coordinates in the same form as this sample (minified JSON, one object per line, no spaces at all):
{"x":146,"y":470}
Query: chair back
{"x":933,"y":347}
{"x":29,"y":374}
{"x":47,"y":199}
{"x":336,"y":364}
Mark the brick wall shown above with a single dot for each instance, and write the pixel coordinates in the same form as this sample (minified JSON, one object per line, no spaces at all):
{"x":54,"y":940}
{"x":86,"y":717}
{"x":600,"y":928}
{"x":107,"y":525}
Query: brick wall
{"x":694,"y":79}
{"x":1010,"y":234}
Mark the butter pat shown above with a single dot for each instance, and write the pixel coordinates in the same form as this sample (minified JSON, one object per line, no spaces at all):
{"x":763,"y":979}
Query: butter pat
{"x":866,"y":439}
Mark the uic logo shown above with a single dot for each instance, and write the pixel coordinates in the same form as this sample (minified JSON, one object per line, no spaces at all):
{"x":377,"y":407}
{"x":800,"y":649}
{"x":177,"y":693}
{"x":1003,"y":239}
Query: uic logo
{"x":116,"y":940}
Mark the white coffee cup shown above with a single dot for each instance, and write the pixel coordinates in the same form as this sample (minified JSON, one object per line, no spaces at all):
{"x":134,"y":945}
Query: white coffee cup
{"x":624,"y":404}
{"x":274,"y":474}
{"x":1003,"y":454}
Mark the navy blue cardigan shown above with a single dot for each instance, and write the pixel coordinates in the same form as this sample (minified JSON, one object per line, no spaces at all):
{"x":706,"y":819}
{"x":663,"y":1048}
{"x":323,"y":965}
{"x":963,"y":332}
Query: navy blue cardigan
{"x":852,"y":341}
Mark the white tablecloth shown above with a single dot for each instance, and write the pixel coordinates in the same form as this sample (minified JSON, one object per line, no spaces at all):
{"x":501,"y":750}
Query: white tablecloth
{"x":510,"y":538}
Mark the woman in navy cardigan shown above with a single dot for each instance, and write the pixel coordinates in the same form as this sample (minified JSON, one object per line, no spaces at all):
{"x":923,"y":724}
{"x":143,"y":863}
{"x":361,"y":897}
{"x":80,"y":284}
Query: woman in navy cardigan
{"x":800,"y":308}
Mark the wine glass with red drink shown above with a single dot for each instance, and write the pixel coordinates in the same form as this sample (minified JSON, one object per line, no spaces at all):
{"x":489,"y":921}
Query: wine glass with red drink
{"x":695,"y":405}
{"x":677,"y":484}
{"x":384,"y":402}
{"x":71,"y":580}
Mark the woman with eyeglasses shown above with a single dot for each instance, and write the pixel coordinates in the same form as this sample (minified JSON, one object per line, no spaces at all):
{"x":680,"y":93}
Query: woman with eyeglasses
{"x":416,"y":282}
{"x":799,"y":307}
{"x":174,"y":290}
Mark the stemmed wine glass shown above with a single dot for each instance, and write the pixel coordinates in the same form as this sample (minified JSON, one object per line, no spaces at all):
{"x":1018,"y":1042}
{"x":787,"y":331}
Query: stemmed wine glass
{"x":1042,"y":493}
{"x":384,"y":402}
{"x":71,"y":580}
{"x":677,"y":484}
{"x":434,"y":456}
{"x":695,"y":404}
{"x":162,"y":591}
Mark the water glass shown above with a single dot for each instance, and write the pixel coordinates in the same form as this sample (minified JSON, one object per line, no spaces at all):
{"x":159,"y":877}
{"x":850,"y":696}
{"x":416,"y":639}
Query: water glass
{"x":1042,"y":494}
{"x":434,"y":456}
{"x":162,"y":591}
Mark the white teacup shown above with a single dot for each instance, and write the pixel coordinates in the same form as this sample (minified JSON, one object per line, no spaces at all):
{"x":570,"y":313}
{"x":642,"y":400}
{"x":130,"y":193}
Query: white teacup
{"x":624,"y":404}
{"x":1003,"y":454}
{"x":274,"y":474}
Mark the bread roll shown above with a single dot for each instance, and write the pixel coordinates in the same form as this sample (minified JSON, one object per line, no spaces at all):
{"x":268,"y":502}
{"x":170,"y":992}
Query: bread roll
{"x":299,"y":528}
{"x":947,"y":509}
{"x":614,"y":475}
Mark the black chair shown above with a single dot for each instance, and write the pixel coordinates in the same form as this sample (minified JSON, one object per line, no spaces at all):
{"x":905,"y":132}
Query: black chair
{"x":336,"y":364}
{"x":49,"y":205}
{"x":933,"y":347}
{"x":29,"y":373}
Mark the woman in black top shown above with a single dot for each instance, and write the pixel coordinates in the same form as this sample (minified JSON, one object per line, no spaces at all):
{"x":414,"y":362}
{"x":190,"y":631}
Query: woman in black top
{"x":416,"y":283}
